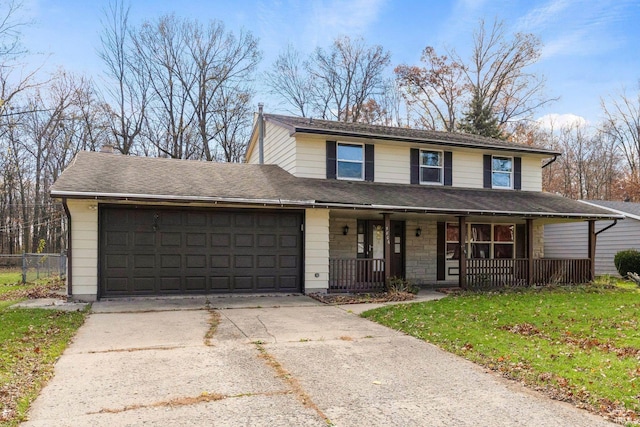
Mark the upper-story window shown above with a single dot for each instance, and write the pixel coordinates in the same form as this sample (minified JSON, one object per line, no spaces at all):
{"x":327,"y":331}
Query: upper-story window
{"x":350,"y":161}
{"x":431,"y":167}
{"x":501,"y":172}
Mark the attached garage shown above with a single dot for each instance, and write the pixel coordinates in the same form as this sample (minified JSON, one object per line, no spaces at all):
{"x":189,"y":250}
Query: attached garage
{"x":161,"y":251}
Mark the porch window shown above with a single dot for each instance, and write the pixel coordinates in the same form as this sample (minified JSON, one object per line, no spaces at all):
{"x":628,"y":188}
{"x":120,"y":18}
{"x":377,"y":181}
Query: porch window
{"x":501,"y":172}
{"x":430,"y":167}
{"x":453,"y":241}
{"x":483,"y":241}
{"x":350,"y":161}
{"x":361,"y":229}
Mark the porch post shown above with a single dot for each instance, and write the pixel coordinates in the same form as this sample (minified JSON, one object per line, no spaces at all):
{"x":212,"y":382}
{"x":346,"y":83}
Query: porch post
{"x":387,"y":247}
{"x":592,"y":249}
{"x":462,"y":266}
{"x":529,"y":225}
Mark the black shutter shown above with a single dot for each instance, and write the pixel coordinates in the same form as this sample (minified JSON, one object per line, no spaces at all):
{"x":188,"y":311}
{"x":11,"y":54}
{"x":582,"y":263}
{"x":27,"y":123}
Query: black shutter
{"x":487,"y":171}
{"x":517,"y":173}
{"x":441,"y":251}
{"x":331,"y":159}
{"x":368,"y":162}
{"x":415,"y":166}
{"x":448,"y":163}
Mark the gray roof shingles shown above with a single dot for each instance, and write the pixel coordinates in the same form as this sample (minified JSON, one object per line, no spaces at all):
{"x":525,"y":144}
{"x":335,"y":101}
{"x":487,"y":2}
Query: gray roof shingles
{"x":310,"y":125}
{"x":626,"y":207}
{"x":109,"y":176}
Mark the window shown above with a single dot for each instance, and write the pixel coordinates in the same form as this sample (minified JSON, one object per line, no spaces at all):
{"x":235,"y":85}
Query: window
{"x":350,"y":161}
{"x":483,"y":241}
{"x":501,"y":172}
{"x":430,"y":167}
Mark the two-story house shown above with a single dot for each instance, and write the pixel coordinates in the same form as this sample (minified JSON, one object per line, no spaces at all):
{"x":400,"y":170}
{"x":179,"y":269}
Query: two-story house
{"x":319,"y":206}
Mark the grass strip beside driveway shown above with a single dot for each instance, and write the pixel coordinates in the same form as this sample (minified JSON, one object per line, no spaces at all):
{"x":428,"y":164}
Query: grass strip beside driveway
{"x":31,"y":340}
{"x":578,"y":344}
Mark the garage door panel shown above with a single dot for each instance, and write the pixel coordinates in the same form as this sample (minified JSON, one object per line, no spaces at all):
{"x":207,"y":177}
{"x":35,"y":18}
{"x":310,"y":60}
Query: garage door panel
{"x":221,"y":240}
{"x":266,"y":261}
{"x":197,"y":240}
{"x":196,"y":261}
{"x":243,"y":261}
{"x":288,"y":283}
{"x":145,"y":284}
{"x":196,"y":284}
{"x":288,"y":241}
{"x":144,"y":261}
{"x":220,"y":283}
{"x":266,"y":282}
{"x":163,"y":250}
{"x":170,"y":284}
{"x":170,"y":239}
{"x":242,"y":283}
{"x":243,"y":240}
{"x":142,"y":238}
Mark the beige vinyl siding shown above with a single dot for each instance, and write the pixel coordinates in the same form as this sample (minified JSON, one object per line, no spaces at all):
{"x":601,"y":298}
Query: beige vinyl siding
{"x":531,"y":173}
{"x":84,"y":246}
{"x":254,"y":156}
{"x":311,"y":158}
{"x":279,"y":148}
{"x":316,"y":250}
{"x":392,"y":164}
{"x":467,"y":168}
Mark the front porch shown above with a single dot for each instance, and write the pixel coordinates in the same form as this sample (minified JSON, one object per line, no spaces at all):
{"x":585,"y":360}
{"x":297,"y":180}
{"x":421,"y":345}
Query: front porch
{"x":498,"y":253}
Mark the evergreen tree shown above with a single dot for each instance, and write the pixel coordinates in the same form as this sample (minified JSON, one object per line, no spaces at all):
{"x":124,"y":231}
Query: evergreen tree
{"x":479,"y":120}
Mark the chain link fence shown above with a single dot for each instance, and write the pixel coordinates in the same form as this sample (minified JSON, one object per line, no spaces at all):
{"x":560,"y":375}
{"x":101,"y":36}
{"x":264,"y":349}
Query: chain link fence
{"x":32,"y":267}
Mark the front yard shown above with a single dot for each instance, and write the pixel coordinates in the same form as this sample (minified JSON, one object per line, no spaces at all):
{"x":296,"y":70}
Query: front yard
{"x":578,"y":344}
{"x":31,"y":340}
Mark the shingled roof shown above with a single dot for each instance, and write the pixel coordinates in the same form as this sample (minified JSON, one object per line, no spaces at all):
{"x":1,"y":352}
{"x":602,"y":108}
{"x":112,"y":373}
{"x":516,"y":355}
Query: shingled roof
{"x":106,"y":176}
{"x":362,"y":130}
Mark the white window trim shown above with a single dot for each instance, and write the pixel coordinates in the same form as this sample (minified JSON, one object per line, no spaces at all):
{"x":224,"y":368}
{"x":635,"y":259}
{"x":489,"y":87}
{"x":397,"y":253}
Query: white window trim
{"x":338,"y":160}
{"x":511,"y":177}
{"x":441,"y":167}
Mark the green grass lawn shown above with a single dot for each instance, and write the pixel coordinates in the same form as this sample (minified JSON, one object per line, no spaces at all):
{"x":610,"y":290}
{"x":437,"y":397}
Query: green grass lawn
{"x":580,"y":344}
{"x":31,"y":340}
{"x":10,"y":277}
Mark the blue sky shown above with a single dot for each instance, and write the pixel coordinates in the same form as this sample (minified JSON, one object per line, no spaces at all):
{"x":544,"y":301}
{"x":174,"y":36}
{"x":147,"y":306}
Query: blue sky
{"x":590,"y":46}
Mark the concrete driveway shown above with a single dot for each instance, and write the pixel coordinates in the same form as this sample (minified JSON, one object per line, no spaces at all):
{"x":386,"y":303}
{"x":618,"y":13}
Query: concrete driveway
{"x":283,"y":361}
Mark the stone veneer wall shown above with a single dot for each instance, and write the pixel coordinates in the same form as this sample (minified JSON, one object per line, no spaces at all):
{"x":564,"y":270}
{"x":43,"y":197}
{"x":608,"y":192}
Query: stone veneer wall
{"x":421,"y":252}
{"x":538,"y":240}
{"x":341,"y":246}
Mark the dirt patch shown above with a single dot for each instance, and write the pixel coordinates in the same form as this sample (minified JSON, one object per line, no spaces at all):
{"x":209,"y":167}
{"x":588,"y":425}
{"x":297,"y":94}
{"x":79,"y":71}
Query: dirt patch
{"x":339,"y":299}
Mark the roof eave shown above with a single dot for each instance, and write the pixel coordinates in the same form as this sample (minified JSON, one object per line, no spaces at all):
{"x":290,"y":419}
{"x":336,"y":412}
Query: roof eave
{"x":320,"y":204}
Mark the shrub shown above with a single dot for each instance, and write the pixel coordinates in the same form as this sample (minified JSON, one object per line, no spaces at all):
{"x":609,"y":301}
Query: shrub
{"x":627,"y":261}
{"x":398,"y":284}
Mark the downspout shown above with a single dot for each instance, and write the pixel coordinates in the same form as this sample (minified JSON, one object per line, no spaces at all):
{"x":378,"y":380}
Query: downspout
{"x":550,"y":161}
{"x":615,"y":221}
{"x":69,"y":257}
{"x":260,"y":134}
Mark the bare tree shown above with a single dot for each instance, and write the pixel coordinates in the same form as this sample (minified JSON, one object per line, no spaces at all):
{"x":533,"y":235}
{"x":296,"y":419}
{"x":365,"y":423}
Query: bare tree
{"x":622,"y":123}
{"x":495,"y":79}
{"x":288,"y":78}
{"x":436,"y":91}
{"x":334,"y":83}
{"x":127,"y":94}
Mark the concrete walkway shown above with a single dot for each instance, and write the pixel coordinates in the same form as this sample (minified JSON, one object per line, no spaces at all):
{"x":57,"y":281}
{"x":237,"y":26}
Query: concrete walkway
{"x":273,"y":361}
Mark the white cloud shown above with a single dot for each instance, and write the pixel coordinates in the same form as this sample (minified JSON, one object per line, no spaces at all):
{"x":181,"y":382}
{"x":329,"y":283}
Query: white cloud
{"x":558,"y":121}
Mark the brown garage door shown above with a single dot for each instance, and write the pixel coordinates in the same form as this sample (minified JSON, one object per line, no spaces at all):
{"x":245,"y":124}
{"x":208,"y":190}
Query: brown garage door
{"x":159,"y":251}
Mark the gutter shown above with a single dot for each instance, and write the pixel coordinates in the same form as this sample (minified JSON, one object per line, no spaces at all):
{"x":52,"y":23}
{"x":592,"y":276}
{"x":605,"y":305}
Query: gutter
{"x":69,"y":253}
{"x":322,"y":204}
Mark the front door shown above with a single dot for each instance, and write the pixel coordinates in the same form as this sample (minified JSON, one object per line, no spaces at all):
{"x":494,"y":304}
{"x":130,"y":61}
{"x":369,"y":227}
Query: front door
{"x":371,"y":244}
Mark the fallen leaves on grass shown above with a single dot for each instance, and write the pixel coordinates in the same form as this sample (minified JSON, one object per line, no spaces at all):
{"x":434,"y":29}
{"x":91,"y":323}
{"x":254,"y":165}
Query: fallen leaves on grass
{"x":50,"y":289}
